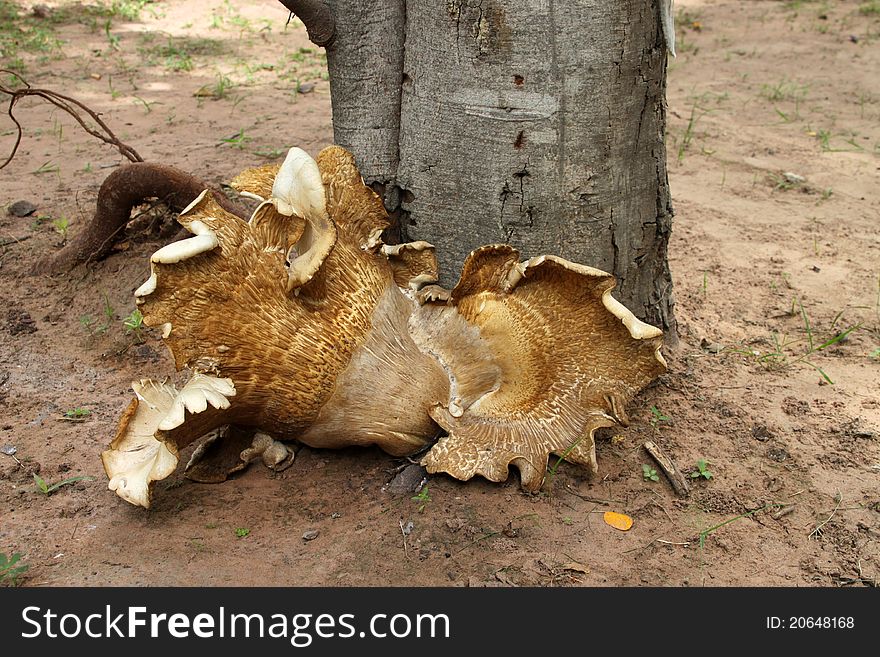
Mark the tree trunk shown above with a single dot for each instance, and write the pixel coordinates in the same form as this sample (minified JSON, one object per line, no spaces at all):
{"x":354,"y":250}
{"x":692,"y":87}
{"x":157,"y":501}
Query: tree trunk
{"x":538,"y":124}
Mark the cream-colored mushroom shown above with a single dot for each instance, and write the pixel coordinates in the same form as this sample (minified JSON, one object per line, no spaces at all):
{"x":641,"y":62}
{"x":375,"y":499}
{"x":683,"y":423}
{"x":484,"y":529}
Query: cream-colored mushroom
{"x":143,"y":450}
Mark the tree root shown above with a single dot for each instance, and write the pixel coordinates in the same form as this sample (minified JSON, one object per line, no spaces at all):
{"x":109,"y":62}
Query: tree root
{"x":124,"y":189}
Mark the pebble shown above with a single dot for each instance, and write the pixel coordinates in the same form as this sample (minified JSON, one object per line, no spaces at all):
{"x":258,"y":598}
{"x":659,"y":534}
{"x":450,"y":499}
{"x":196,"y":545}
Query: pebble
{"x":408,"y":480}
{"x":310,"y":535}
{"x":21,"y":209}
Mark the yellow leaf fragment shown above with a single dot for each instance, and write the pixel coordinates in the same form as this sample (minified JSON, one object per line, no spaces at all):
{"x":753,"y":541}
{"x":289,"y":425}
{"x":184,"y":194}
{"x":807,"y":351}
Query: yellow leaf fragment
{"x":574,"y":566}
{"x":618,"y":520}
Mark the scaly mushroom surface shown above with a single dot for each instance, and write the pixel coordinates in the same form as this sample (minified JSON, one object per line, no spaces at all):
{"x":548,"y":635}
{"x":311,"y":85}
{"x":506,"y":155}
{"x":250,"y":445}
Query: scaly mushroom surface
{"x":301,"y":324}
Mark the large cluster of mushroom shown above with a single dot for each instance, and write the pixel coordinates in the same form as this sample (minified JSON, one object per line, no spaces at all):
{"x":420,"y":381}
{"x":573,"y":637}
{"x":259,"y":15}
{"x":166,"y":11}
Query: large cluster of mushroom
{"x":301,"y":325}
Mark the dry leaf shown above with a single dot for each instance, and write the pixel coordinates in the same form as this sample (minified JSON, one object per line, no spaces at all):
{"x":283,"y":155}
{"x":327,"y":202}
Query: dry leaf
{"x":618,"y":520}
{"x":575,"y":567}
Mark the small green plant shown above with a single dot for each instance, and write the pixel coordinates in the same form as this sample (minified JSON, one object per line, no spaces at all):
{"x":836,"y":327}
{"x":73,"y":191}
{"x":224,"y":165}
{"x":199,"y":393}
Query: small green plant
{"x":241,"y":532}
{"x":787,"y":181}
{"x":784,"y":90}
{"x":705,"y":533}
{"x":702,"y":470}
{"x":46,"y":167}
{"x":221,"y":88}
{"x":38,"y":221}
{"x":134,"y":324}
{"x":876,"y":353}
{"x":779,"y":357}
{"x":688,"y":135}
{"x":649,"y":473}
{"x":657,"y":417}
{"x":77,"y":413}
{"x":9,"y":571}
{"x":109,"y":314}
{"x":61,"y":227}
{"x":870,"y":8}
{"x":112,"y":39}
{"x":148,"y":106}
{"x":238,"y":140}
{"x":423,"y":497}
{"x":129,"y":10}
{"x":271,"y":154}
{"x":551,"y":472}
{"x":47,"y":489}
{"x":114,"y":92}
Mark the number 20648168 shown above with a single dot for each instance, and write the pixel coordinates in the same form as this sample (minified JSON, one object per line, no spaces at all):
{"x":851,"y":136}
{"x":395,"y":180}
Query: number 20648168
{"x":810,"y":622}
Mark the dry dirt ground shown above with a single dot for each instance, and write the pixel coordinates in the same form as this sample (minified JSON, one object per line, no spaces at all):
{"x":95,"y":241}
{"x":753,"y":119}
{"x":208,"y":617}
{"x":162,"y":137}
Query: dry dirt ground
{"x":774,"y":151}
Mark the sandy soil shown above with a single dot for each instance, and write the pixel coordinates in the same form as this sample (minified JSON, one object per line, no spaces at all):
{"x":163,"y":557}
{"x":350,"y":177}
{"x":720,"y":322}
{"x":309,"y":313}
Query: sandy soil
{"x":764,"y":264}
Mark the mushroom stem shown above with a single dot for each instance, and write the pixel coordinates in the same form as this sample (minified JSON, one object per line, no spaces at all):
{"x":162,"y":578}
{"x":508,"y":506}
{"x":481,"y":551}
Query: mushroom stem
{"x":124,"y":189}
{"x":318,"y":19}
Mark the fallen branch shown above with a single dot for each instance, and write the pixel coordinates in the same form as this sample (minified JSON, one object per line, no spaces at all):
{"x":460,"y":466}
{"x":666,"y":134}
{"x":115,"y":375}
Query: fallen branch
{"x":673,"y":474}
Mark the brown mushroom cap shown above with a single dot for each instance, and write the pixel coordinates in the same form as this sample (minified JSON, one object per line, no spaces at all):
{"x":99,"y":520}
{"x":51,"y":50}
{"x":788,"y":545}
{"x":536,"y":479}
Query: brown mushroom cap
{"x":256,"y":182}
{"x":570,"y":355}
{"x":323,"y":335}
{"x":291,"y":331}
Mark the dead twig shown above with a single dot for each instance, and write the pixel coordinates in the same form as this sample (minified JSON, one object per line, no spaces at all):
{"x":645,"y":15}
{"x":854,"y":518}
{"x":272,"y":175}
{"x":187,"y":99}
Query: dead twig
{"x":70,"y":105}
{"x":673,"y":474}
{"x":403,"y":533}
{"x":15,"y":240}
{"x":817,"y":530}
{"x":15,"y":458}
{"x":784,"y":511}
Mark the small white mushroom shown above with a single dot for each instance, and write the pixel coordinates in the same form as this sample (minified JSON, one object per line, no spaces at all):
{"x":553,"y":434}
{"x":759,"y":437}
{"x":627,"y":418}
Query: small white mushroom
{"x":205,"y":240}
{"x":195,"y":396}
{"x":298,"y":188}
{"x":147,"y":288}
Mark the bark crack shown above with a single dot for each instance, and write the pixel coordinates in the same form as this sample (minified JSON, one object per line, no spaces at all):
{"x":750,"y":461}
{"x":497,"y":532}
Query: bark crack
{"x":505,"y":194}
{"x":480,"y":30}
{"x":526,"y":212}
{"x":453,"y":8}
{"x":615,"y":248}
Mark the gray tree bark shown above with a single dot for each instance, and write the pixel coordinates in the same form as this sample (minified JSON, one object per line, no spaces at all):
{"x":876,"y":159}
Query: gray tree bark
{"x":537,"y":123}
